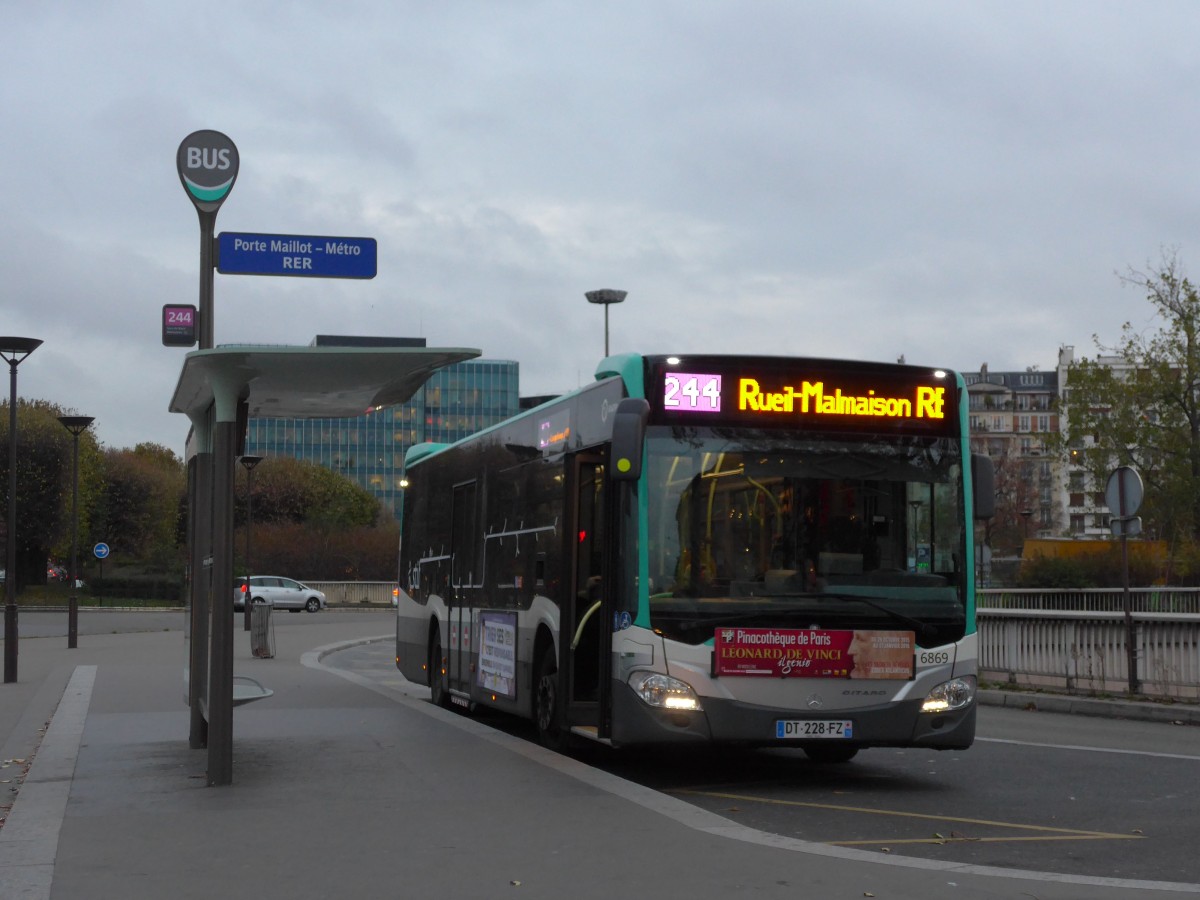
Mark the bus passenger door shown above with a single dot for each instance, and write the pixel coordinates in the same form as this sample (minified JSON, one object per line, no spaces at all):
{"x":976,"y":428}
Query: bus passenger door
{"x":586,"y":633}
{"x":464,"y":574}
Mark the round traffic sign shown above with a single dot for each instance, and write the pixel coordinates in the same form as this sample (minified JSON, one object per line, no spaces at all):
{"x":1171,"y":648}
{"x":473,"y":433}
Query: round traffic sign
{"x":101,"y":550}
{"x":1123,"y":493}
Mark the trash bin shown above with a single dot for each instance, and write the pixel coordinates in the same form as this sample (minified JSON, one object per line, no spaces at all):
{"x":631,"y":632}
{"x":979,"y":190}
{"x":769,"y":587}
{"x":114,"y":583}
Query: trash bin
{"x":262,"y":630}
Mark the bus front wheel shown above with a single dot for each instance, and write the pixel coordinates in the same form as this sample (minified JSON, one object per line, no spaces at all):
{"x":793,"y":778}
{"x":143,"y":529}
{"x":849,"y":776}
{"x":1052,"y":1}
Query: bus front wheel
{"x":545,"y":713}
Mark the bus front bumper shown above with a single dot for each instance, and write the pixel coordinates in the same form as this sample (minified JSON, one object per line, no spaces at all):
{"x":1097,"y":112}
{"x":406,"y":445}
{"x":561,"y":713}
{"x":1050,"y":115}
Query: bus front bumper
{"x":899,"y":724}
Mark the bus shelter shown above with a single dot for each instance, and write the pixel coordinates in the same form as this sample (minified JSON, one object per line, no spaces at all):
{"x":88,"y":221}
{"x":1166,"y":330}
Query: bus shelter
{"x":219,"y":390}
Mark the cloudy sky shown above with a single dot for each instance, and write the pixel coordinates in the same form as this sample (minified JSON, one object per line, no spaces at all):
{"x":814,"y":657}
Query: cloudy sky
{"x":956,"y":182}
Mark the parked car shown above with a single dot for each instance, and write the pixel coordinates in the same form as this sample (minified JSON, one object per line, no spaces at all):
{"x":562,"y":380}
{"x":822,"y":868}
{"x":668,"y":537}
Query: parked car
{"x":282,"y":593}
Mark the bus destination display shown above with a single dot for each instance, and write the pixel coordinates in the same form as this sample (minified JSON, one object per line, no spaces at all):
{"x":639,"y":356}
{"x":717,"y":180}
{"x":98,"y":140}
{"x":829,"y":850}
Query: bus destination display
{"x":765,"y":397}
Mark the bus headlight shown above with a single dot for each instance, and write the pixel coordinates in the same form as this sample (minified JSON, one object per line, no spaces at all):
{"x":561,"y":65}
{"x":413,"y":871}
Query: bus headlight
{"x":664,"y":691}
{"x":950,"y":695}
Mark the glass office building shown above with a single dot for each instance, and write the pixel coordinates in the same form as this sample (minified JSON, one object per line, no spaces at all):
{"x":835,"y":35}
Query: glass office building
{"x":456,"y":402}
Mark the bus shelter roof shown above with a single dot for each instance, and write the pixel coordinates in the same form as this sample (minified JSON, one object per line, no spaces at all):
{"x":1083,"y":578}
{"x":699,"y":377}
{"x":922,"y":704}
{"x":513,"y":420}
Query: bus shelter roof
{"x":305,"y":382}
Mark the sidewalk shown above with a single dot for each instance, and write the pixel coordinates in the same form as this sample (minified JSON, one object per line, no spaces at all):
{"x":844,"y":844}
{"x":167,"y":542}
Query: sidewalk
{"x":1105,"y":707}
{"x":347,"y":789}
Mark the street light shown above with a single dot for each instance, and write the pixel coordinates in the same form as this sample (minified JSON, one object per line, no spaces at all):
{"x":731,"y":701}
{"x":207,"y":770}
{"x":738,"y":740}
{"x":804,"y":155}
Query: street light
{"x":77,"y":425}
{"x":13,"y":351}
{"x":249,"y":462}
{"x":606,"y":297}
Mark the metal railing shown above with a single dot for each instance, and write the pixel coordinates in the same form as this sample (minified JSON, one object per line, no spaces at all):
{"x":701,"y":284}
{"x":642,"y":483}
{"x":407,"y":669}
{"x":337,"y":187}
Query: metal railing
{"x":1152,"y":599}
{"x":1076,"y":640}
{"x":355,"y":593}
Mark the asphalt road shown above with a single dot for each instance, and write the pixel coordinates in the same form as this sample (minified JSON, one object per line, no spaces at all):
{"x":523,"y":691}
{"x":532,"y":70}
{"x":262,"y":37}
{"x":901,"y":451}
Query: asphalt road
{"x":1038,"y":791}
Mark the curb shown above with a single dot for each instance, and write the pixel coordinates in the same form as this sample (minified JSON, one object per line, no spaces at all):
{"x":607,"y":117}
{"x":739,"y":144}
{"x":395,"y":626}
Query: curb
{"x":1172,"y":714}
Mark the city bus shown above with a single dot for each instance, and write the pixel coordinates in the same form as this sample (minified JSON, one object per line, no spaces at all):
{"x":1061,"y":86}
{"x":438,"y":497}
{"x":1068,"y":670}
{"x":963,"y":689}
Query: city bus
{"x":694,"y":549}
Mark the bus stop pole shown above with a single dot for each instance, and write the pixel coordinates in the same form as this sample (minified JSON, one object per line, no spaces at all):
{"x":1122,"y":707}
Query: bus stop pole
{"x":220,"y":673}
{"x":200,"y":562}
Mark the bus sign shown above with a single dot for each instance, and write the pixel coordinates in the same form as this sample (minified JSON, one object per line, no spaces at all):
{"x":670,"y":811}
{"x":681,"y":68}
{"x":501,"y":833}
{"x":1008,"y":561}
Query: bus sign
{"x":207,"y":162}
{"x":776,"y":393}
{"x":240,"y":253}
{"x":178,"y":325}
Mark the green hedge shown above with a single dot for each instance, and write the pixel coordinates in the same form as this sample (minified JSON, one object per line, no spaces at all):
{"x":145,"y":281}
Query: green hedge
{"x":141,"y":587}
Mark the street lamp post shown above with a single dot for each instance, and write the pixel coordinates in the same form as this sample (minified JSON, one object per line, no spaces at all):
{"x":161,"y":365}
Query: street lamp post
{"x":13,"y":351}
{"x":76,"y":425}
{"x":605,"y":297}
{"x":249,"y":462}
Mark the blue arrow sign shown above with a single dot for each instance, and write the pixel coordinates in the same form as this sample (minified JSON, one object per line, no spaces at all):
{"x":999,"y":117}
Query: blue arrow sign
{"x":239,"y":253}
{"x":101,"y":550}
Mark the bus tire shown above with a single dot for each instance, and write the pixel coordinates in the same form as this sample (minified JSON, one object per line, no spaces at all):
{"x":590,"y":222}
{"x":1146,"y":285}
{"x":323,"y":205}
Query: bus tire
{"x":545,"y":702}
{"x":437,"y":680}
{"x":830,"y":753}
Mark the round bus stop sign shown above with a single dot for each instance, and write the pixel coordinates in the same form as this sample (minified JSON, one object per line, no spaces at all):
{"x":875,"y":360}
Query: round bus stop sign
{"x":207,"y":162}
{"x":101,"y":550}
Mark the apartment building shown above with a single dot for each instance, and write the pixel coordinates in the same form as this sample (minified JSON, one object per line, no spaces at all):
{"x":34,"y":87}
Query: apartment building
{"x":1083,"y":502}
{"x":1011,"y":416}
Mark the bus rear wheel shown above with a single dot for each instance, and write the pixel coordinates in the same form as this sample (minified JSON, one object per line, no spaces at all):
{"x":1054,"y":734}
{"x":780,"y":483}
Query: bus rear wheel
{"x":545,"y":703}
{"x":437,"y":680}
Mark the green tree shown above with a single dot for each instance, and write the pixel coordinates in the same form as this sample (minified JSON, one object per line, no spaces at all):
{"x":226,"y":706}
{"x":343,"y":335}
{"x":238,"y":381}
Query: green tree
{"x":1145,"y":412}
{"x":138,"y":514}
{"x":44,"y":458}
{"x":293,"y":490}
{"x":310,"y":522}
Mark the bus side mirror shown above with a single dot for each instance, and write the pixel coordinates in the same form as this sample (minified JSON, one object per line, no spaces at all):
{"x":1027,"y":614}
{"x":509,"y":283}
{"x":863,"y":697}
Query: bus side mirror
{"x":983,"y":485}
{"x":628,"y":439}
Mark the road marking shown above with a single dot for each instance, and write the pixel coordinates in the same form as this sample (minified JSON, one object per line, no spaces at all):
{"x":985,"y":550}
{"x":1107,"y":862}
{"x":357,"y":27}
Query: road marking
{"x":962,"y":839}
{"x":1046,"y":832}
{"x":1089,"y":749}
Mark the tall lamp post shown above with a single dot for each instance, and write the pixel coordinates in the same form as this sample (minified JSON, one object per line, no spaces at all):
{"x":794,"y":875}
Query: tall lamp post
{"x":249,"y":462}
{"x":606,"y":297}
{"x":13,"y":351}
{"x":77,"y":425}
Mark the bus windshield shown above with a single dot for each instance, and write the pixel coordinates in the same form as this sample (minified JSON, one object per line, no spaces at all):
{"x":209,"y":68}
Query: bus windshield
{"x":760,"y":527}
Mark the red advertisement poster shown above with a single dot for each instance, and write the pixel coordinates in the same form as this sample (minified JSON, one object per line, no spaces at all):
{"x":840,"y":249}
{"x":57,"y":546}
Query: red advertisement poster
{"x":790,"y":653}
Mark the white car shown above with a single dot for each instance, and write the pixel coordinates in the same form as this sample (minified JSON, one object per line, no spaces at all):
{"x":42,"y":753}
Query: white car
{"x":281,"y":593}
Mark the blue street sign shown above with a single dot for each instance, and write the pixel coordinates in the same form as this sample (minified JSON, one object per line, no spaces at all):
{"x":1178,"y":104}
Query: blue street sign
{"x":101,"y":550}
{"x":305,"y":256}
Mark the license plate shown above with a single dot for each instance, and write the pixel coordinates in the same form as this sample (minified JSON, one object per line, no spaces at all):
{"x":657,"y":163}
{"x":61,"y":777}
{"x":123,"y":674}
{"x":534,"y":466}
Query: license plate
{"x":813,"y":729}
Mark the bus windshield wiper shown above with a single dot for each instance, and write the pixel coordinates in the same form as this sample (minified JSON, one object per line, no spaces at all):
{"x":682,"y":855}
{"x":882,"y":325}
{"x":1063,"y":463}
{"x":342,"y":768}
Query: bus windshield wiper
{"x":924,"y":629}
